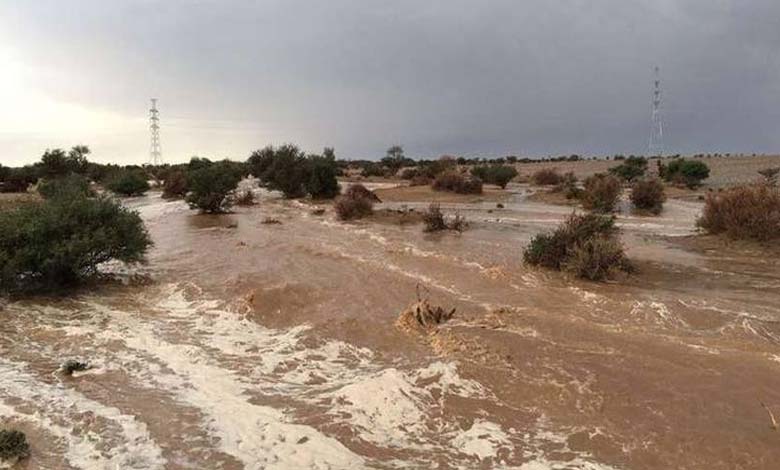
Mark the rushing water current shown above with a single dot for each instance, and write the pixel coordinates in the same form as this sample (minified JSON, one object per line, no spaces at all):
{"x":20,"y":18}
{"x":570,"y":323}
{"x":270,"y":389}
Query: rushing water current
{"x":272,"y":346}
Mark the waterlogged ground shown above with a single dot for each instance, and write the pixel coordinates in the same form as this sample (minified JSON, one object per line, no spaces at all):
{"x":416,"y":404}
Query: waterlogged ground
{"x":248,"y":345}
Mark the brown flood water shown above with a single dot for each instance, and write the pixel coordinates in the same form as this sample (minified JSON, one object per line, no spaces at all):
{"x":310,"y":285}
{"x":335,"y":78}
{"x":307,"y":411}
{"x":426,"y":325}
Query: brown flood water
{"x":273,"y":346}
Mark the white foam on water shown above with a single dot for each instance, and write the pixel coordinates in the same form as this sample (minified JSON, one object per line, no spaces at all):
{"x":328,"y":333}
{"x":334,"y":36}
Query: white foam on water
{"x":484,"y":439}
{"x":134,"y":449}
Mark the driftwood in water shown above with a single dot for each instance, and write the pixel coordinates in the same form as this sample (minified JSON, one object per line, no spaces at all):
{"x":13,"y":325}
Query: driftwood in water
{"x":423,"y":314}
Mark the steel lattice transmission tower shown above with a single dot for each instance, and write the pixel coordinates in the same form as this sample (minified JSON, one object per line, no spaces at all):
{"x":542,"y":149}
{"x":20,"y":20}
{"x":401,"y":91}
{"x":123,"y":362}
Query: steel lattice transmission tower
{"x":155,"y":151}
{"x":657,"y":132}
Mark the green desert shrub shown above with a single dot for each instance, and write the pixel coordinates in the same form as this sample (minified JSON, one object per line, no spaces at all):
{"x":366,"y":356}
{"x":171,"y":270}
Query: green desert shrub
{"x":72,"y":185}
{"x":584,"y":244}
{"x":457,"y":183}
{"x":648,"y":195}
{"x":601,"y":193}
{"x":500,"y":175}
{"x":744,"y":212}
{"x":62,"y":241}
{"x":689,"y":173}
{"x":13,"y":445}
{"x":631,"y":169}
{"x":434,"y":220}
{"x":210,"y":186}
{"x":175,"y":185}
{"x":321,"y":182}
{"x":357,"y":202}
{"x":128,"y":183}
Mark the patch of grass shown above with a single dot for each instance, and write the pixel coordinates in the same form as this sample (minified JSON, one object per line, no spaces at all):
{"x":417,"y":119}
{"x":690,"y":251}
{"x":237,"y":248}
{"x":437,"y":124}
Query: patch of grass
{"x":750,"y":212}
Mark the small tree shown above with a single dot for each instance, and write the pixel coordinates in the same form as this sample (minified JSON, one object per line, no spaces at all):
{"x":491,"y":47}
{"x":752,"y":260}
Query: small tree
{"x":631,"y":169}
{"x":210,"y":186}
{"x":129,"y":183}
{"x":59,"y":242}
{"x":287,"y":172}
{"x":689,"y":173}
{"x":395,"y":158}
{"x":500,"y":175}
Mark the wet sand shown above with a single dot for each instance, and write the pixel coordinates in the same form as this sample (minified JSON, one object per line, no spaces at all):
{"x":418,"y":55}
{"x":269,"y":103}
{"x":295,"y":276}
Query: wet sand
{"x":275,"y":346}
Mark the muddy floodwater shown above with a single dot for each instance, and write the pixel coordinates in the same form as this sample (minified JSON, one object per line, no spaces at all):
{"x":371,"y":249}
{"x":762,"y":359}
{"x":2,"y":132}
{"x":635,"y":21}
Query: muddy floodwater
{"x":274,"y":346}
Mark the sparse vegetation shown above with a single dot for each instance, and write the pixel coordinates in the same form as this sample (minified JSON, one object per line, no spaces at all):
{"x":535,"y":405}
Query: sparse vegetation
{"x":585,"y":245}
{"x":688,"y":173}
{"x":13,"y":445}
{"x":500,"y":175}
{"x":59,"y":242}
{"x":457,"y":183}
{"x":210,"y":186}
{"x":601,"y":193}
{"x":750,"y":212}
{"x":357,"y":202}
{"x":648,"y":195}
{"x":546,"y":177}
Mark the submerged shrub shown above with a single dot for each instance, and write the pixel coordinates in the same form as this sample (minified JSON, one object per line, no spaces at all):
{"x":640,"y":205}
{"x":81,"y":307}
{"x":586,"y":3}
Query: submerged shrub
{"x":584,"y":244}
{"x":596,"y":258}
{"x":175,"y":185}
{"x":73,"y":185}
{"x":500,"y":175}
{"x":743,"y":212}
{"x":60,"y":242}
{"x":648,"y":195}
{"x":245,"y":198}
{"x":72,"y":365}
{"x":128,"y":183}
{"x":13,"y":445}
{"x":210,"y":186}
{"x":601,"y":193}
{"x":457,"y":183}
{"x":546,"y":177}
{"x":434,"y":221}
{"x":689,"y":173}
{"x":357,"y":202}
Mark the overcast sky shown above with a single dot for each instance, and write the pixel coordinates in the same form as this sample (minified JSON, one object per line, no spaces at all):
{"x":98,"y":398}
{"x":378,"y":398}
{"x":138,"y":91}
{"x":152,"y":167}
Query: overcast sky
{"x":476,"y":77}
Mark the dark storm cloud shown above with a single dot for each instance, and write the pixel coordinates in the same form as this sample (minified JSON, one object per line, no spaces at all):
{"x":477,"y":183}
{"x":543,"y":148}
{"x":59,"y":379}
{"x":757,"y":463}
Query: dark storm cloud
{"x":464,"y":77}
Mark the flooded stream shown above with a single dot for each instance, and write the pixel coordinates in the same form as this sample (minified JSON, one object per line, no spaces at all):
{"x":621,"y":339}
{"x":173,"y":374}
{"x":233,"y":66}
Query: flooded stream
{"x":248,"y":345}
